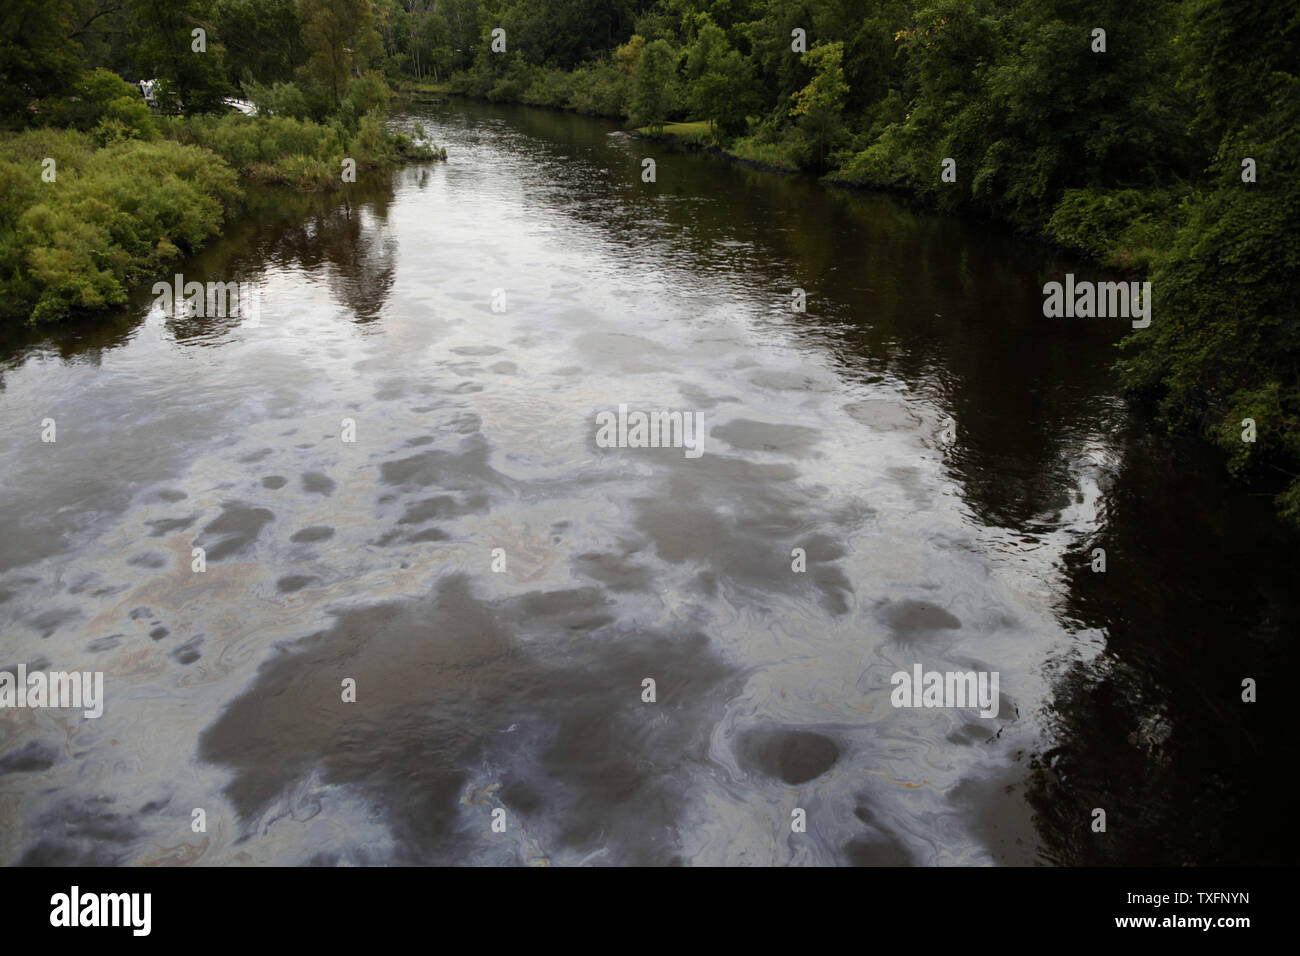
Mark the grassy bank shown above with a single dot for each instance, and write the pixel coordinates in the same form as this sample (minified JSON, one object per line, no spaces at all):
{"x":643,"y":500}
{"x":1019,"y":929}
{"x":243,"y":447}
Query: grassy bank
{"x":422,"y":91}
{"x":745,"y":150}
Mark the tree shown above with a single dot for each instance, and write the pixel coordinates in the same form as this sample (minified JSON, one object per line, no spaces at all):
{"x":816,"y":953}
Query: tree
{"x":651,"y":85}
{"x":820,"y":103}
{"x":563,"y":33}
{"x":1225,"y":343}
{"x":37,"y":58}
{"x":164,"y":50}
{"x":262,"y":38}
{"x":720,"y":79}
{"x":340,"y":38}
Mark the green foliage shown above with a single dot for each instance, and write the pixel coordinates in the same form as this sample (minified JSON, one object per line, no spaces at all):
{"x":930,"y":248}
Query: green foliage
{"x":262,"y":39}
{"x":252,"y":144}
{"x":563,"y":33}
{"x":818,"y":104}
{"x":368,"y":96}
{"x":652,"y":85}
{"x":101,"y":100}
{"x":550,"y":87}
{"x":510,"y":84}
{"x":278,"y":99}
{"x":79,"y":242}
{"x":1123,"y":228}
{"x":164,"y":48}
{"x":600,"y":89}
{"x":340,"y":39}
{"x":38,"y":57}
{"x":720,"y":80}
{"x":763,"y":151}
{"x":1224,"y":343}
{"x":1131,"y":155}
{"x":300,"y":153}
{"x":429,"y":40}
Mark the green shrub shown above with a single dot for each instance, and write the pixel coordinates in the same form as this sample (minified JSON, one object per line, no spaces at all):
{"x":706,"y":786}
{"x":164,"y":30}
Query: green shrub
{"x":549,"y":87}
{"x":599,"y":89}
{"x":252,"y":143}
{"x":113,"y":215}
{"x":762,"y":150}
{"x":1122,"y":228}
{"x":369,"y":94}
{"x":101,"y":98}
{"x":1224,"y":340}
{"x":278,"y":99}
{"x":508,"y":89}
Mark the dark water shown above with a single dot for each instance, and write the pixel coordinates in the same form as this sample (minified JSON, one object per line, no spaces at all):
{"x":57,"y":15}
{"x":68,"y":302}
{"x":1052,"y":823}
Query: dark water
{"x":522,"y":689}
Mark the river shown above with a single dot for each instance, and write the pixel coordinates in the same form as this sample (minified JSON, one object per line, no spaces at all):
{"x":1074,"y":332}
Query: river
{"x":499,"y":586}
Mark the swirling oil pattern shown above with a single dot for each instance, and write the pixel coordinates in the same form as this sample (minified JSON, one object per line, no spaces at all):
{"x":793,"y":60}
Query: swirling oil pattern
{"x":499,"y":586}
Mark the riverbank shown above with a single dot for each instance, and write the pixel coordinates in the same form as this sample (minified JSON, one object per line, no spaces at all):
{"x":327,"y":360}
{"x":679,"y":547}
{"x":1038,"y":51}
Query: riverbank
{"x":1123,"y":230}
{"x":283,"y":151}
{"x":1129,"y":255}
{"x":421,"y":91}
{"x":699,"y":136}
{"x":1219,"y":357}
{"x":87,"y":213}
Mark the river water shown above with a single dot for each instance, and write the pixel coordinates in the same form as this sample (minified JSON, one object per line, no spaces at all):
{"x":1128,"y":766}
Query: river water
{"x":945,"y":456}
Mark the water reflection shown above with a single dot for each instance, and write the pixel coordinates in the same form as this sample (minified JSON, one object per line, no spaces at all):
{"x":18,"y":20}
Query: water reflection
{"x":1149,"y":723}
{"x":519,"y":687}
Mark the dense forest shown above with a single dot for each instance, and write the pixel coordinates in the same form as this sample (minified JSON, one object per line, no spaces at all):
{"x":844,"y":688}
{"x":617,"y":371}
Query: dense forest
{"x":1158,"y":138}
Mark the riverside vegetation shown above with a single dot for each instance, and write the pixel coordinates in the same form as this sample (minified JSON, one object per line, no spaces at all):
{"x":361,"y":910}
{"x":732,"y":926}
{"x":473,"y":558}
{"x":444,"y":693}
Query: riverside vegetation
{"x":1169,"y":149}
{"x":99,"y":192}
{"x":1166,"y":147}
